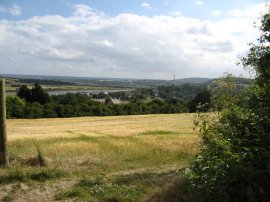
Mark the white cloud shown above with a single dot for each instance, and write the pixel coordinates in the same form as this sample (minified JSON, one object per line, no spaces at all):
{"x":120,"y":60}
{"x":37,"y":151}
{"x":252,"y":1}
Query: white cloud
{"x":176,"y":13}
{"x":199,"y":2}
{"x":90,"y":43}
{"x":15,"y":10}
{"x":249,"y":11}
{"x":216,"y":12}
{"x":81,"y":10}
{"x":146,"y":5}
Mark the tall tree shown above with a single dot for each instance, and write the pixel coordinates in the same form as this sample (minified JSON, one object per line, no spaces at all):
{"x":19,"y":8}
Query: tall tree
{"x":25,"y":93}
{"x":39,"y":94}
{"x":36,"y":94}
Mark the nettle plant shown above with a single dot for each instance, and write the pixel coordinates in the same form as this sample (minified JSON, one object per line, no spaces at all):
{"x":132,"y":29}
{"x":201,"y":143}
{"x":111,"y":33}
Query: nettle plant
{"x":234,"y":159}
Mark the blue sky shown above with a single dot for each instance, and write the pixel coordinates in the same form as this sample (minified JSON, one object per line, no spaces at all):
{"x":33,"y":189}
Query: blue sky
{"x":192,"y":8}
{"x":137,"y":39}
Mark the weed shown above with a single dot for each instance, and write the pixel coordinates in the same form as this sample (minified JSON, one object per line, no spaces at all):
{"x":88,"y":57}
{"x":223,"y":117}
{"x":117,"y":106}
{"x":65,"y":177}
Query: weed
{"x":40,"y":159}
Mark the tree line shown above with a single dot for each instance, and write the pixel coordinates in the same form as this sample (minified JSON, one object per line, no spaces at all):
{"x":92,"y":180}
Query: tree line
{"x":37,"y":103}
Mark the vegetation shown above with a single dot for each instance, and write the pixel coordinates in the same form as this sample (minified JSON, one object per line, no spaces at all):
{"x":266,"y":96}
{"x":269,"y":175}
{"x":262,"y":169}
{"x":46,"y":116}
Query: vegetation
{"x":124,"y":158}
{"x":36,"y":94}
{"x":184,"y":91}
{"x":134,"y":95}
{"x":36,"y":103}
{"x":76,"y":105}
{"x":32,"y":100}
{"x":179,"y":92}
{"x":201,"y":102}
{"x":233,"y":163}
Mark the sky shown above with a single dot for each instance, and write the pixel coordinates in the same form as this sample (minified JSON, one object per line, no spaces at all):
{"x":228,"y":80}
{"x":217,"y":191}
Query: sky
{"x":127,"y":39}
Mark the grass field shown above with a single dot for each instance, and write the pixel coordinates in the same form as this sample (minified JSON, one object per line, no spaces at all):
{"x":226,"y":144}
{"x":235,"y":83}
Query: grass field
{"x":125,"y":158}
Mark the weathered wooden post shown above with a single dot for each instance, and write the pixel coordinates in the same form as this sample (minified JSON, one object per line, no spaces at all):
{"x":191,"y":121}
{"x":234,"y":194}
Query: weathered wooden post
{"x":3,"y":129}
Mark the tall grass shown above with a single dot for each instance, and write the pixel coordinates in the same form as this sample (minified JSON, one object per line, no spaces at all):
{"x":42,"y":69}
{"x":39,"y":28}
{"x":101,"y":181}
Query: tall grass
{"x":129,"y":156}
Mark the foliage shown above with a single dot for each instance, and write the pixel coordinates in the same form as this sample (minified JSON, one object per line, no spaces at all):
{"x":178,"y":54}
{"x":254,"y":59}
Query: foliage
{"x":39,"y":95}
{"x":155,"y":100}
{"x":137,"y":94}
{"x":201,"y":102}
{"x":184,"y":91}
{"x":223,"y":92}
{"x":15,"y":107}
{"x":233,"y":164}
{"x":36,"y":94}
{"x":24,"y":93}
{"x":76,"y":105}
{"x":40,"y":158}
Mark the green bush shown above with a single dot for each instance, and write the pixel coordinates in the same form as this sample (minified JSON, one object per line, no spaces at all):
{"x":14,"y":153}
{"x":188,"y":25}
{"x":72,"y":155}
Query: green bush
{"x":234,"y":159}
{"x":15,"y":107}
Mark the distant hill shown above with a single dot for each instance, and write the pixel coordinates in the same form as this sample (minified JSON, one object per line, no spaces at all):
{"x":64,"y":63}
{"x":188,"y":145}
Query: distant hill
{"x":191,"y":80}
{"x":117,"y":82}
{"x":127,"y":82}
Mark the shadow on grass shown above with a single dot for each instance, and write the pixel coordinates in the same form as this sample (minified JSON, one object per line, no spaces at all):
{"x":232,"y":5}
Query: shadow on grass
{"x":175,"y":192}
{"x":158,"y":132}
{"x":23,"y":175}
{"x":172,"y":185}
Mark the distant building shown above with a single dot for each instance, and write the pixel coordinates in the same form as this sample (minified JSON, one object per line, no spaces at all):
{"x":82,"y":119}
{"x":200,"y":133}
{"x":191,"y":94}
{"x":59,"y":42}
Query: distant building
{"x":108,"y":101}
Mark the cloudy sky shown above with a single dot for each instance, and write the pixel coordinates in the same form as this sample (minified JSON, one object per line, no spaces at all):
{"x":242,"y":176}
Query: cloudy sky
{"x":126,"y":39}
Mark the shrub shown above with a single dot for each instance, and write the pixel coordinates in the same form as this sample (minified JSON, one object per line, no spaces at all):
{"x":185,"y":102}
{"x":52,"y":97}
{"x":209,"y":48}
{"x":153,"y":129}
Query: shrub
{"x":234,"y":159}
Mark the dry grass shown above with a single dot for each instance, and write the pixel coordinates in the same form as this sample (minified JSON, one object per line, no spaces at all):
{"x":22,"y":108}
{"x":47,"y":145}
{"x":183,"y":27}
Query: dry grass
{"x":97,"y":126}
{"x":101,"y":147}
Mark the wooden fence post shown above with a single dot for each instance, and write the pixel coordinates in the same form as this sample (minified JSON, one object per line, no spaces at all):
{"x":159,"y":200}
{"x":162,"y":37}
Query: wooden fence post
{"x":3,"y":129}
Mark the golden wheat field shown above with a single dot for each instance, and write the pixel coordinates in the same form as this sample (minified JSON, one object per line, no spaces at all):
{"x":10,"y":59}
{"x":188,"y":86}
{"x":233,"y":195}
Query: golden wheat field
{"x":120,"y":158}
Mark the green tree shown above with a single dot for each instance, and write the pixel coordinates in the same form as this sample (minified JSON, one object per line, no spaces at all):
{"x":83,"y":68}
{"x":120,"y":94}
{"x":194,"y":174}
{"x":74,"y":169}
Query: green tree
{"x":15,"y":107}
{"x":25,"y":93}
{"x":49,"y":110}
{"x":234,"y":159}
{"x":33,"y":110}
{"x":39,"y":94}
{"x":202,"y":99}
{"x":223,"y":92}
{"x":36,"y":94}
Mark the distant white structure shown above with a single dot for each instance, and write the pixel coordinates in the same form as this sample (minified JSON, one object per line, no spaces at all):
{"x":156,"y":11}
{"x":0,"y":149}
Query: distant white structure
{"x":113,"y":101}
